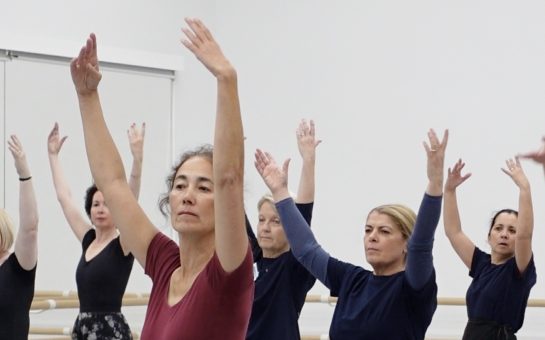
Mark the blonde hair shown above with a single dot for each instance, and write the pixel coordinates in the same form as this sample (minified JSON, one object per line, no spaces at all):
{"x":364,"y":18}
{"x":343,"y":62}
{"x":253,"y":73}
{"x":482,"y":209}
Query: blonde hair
{"x":6,"y":231}
{"x":266,"y":198}
{"x":403,"y":217}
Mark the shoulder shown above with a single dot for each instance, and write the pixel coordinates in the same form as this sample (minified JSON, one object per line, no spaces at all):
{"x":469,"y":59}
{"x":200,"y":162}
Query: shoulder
{"x":89,"y":237}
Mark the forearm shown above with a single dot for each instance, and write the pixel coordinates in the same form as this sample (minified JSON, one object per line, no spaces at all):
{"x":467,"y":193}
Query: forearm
{"x":104,"y":160}
{"x":451,"y":215}
{"x":59,"y":180}
{"x":525,"y":218}
{"x":136,"y":176}
{"x":28,"y":208}
{"x":302,"y":242}
{"x":305,"y":193}
{"x":419,"y":258}
{"x":228,"y":135}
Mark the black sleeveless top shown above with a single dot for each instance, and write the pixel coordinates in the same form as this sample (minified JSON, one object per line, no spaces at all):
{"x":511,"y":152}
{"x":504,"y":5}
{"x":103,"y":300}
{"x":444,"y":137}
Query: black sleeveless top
{"x":102,"y":280}
{"x":16,"y":293}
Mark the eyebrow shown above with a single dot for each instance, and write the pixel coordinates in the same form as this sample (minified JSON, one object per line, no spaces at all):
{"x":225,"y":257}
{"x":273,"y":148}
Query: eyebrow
{"x":379,"y":226}
{"x":199,"y":179}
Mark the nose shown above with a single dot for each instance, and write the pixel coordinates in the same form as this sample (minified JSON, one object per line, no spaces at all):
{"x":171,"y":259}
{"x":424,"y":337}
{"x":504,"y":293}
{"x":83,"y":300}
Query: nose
{"x":188,"y":196}
{"x":372,"y":236}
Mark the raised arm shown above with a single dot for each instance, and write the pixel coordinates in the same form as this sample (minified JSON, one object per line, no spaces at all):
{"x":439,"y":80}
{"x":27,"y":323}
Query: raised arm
{"x":136,"y":142}
{"x":462,"y":245}
{"x":26,"y":241}
{"x":419,"y":265}
{"x":525,"y":220}
{"x":302,"y":242}
{"x":75,"y":219}
{"x":307,"y":143}
{"x":228,"y":164}
{"x":104,"y":160}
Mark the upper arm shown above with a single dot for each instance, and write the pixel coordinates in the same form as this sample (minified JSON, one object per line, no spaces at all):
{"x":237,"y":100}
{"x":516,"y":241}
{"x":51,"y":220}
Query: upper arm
{"x":136,"y":230}
{"x":79,"y":225}
{"x":230,"y":232}
{"x":26,"y":248}
{"x":523,"y":253}
{"x":525,"y":227}
{"x":26,"y":241}
{"x":463,"y":246}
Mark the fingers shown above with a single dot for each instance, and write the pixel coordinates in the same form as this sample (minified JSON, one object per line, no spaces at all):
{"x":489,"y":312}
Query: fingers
{"x":93,"y":39}
{"x":196,"y":34}
{"x":444,"y":141}
{"x":54,"y":131}
{"x":434,"y":143}
{"x":62,"y":141}
{"x":286,"y":165}
{"x":14,"y":146}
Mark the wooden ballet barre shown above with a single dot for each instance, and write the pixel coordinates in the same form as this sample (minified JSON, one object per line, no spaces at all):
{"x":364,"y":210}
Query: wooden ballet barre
{"x":61,"y":331}
{"x":326,"y":337}
{"x":74,"y":303}
{"x":72,"y":294}
{"x":443,"y":301}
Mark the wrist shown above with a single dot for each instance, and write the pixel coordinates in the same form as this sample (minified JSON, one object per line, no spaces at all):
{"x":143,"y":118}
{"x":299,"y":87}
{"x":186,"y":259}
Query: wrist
{"x":226,"y":74}
{"x":280,"y":194}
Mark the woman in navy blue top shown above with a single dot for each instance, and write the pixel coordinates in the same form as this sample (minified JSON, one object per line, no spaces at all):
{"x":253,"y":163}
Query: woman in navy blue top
{"x":398,"y":298}
{"x":18,"y":269}
{"x":282,"y":282}
{"x":497,"y":297}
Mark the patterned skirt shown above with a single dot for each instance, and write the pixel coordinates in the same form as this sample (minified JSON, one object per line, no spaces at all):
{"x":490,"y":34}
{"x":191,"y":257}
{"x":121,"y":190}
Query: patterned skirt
{"x":101,"y":326}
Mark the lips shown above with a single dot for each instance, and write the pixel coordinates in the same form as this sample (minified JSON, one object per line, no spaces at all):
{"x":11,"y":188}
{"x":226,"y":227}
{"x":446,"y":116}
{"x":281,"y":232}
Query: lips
{"x":187,"y":213}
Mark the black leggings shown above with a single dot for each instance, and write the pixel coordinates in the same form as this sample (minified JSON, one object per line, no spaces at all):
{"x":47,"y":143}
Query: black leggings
{"x":487,"y":330}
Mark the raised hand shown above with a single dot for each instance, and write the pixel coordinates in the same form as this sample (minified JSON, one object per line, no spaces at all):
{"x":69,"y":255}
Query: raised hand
{"x":54,"y":142}
{"x":306,"y":139}
{"x":136,"y":140}
{"x":84,"y":68}
{"x":514,"y":170}
{"x":537,"y":155}
{"x":455,"y":177}
{"x":18,"y":153}
{"x":275,"y":178}
{"x":435,"y":152}
{"x":200,"y":41}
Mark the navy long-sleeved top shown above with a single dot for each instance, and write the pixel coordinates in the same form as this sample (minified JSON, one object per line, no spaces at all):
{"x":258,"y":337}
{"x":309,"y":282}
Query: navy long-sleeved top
{"x":398,"y":306}
{"x":280,"y":290}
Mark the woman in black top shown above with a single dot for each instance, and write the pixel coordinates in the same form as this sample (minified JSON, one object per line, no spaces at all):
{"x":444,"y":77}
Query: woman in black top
{"x":18,"y":269}
{"x":105,"y":264}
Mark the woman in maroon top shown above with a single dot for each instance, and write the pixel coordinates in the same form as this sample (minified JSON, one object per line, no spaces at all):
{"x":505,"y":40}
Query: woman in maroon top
{"x":202,"y":289}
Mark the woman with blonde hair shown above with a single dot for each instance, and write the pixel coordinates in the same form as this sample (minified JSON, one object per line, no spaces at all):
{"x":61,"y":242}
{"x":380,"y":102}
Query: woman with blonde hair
{"x":397,"y":299}
{"x":18,"y":268}
{"x":282,"y":282}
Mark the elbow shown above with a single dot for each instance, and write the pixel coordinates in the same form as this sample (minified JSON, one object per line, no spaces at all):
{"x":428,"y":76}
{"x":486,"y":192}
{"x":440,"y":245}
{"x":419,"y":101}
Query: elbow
{"x":229,"y":179}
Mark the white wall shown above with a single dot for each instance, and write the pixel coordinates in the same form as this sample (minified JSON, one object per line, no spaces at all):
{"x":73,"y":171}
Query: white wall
{"x":375,"y":75}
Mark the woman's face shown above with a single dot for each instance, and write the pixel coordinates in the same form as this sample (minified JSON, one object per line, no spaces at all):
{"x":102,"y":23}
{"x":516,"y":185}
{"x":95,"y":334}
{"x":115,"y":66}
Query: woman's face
{"x":191,"y":198}
{"x":502,"y":235}
{"x":270,"y":232}
{"x":100,"y":214}
{"x":385,"y":246}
